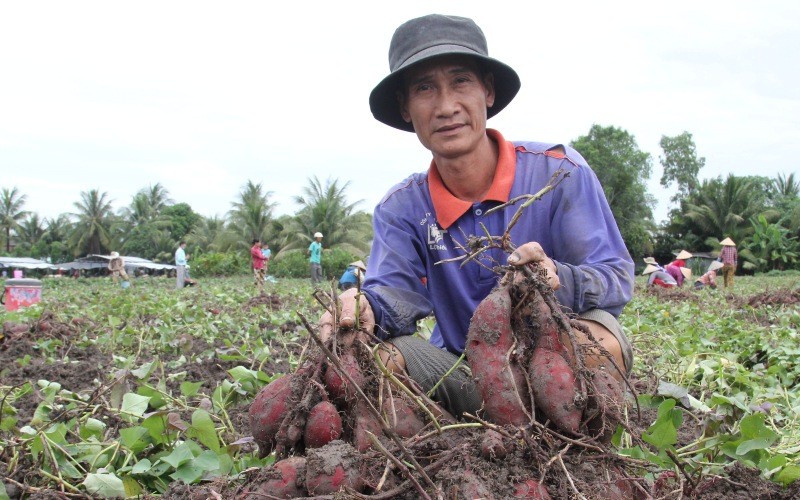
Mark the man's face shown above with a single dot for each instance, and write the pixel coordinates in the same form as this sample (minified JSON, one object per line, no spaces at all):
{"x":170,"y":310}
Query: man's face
{"x":446,"y":101}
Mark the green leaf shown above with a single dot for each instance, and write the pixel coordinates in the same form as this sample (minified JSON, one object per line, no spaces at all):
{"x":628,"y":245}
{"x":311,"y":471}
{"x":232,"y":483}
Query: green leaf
{"x":92,"y":428}
{"x":190,"y":389}
{"x":143,"y":466}
{"x":156,"y":425}
{"x":134,"y":405}
{"x":788,"y":475}
{"x":135,"y":439}
{"x":664,"y":431}
{"x":753,"y":444}
{"x":104,"y":485}
{"x":203,"y":429}
{"x":3,"y":493}
{"x":144,"y":371}
{"x":188,"y":473}
{"x":179,"y":456}
{"x":132,"y":487}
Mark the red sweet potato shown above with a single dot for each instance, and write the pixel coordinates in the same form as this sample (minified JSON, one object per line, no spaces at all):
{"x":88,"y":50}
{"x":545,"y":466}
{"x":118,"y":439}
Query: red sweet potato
{"x":364,"y":421}
{"x":338,"y":386}
{"x":531,"y":489}
{"x":555,"y":388}
{"x":490,"y":342}
{"x":605,"y":405}
{"x":401,"y":416}
{"x":267,"y":412}
{"x":285,"y":479}
{"x":331,"y":467}
{"x":323,"y":425}
{"x":492,"y":446}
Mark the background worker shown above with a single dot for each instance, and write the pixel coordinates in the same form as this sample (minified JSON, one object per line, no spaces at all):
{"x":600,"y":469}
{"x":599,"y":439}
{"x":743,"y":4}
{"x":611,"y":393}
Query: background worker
{"x":180,"y":265}
{"x":353,"y":275}
{"x":117,"y":267}
{"x":315,"y":258}
{"x":257,"y":262}
{"x":730,"y":260}
{"x":709,"y":278}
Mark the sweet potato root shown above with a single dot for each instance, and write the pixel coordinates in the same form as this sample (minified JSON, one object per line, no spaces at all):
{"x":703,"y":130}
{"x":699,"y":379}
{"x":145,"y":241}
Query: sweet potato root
{"x":331,"y":467}
{"x":490,"y":345}
{"x":267,"y":411}
{"x":401,"y":416}
{"x":323,"y":425}
{"x":531,"y":489}
{"x":364,"y":421}
{"x":338,"y":386}
{"x":285,"y":479}
{"x":492,"y":445}
{"x":554,"y":389}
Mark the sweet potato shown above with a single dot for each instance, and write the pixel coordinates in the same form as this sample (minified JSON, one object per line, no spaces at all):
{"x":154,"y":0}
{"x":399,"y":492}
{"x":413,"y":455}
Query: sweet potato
{"x":285,"y":479}
{"x":323,"y":425}
{"x":490,"y":345}
{"x":401,"y":415}
{"x":605,"y":405}
{"x":554,"y":389}
{"x":531,"y":489}
{"x":331,"y":467}
{"x":267,"y":411}
{"x":338,"y":386}
{"x":492,"y":446}
{"x":364,"y":421}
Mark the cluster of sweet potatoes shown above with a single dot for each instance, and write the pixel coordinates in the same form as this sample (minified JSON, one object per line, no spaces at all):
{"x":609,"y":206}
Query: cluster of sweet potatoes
{"x":320,"y":418}
{"x":528,"y":366}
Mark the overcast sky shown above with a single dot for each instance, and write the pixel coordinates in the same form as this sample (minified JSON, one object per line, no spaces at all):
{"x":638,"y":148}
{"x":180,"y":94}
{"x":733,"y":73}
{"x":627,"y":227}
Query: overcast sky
{"x":202,"y":96}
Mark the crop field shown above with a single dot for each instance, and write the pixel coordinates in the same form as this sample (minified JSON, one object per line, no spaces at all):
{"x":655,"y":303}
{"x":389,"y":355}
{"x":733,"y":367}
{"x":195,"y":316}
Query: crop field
{"x":139,"y":392}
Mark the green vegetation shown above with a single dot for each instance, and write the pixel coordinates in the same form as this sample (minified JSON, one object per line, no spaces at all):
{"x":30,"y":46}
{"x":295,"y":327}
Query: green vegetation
{"x":120,"y":392}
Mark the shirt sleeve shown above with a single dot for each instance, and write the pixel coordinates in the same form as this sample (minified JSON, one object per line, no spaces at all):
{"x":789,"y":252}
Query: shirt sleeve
{"x":593,"y":263}
{"x":393,"y":284}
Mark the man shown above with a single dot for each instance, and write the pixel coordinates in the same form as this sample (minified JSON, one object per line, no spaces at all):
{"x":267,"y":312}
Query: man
{"x":180,"y":264}
{"x":730,"y":259}
{"x":117,"y":267}
{"x":315,"y":252}
{"x":258,"y":260}
{"x":443,"y":86}
{"x":353,"y":275}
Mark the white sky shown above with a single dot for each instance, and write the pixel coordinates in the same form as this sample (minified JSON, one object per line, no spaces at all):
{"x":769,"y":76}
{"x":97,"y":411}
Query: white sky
{"x":202,"y":96}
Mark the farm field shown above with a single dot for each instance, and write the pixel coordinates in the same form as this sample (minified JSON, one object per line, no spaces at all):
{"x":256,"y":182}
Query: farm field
{"x":106,"y":392}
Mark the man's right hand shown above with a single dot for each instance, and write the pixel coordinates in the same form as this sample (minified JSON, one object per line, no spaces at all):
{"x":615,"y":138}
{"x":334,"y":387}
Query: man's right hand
{"x":347,"y":315}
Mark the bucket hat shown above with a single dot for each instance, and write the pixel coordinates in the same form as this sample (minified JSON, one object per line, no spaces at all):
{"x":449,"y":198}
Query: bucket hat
{"x":430,"y":36}
{"x":684,"y":255}
{"x":650,"y":269}
{"x":114,"y":254}
{"x":650,"y":260}
{"x":727,"y":242}
{"x":317,"y":235}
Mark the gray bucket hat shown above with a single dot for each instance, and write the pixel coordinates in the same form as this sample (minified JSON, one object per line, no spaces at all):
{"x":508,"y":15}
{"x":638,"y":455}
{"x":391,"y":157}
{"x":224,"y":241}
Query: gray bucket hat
{"x":434,"y":35}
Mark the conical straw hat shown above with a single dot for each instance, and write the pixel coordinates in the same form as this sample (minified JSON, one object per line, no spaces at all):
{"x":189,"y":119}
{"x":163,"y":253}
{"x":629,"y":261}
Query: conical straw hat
{"x":683,"y":255}
{"x":715,"y":265}
{"x":359,"y":265}
{"x":649,"y":269}
{"x":727,"y":242}
{"x":650,"y":260}
{"x":687,"y":273}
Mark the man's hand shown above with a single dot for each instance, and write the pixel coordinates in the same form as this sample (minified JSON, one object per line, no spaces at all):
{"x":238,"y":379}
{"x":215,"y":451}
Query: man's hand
{"x":347,"y":315}
{"x":533,"y":252}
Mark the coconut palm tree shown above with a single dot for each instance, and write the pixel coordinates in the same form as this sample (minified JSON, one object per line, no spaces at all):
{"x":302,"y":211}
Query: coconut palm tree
{"x":31,"y":230}
{"x":723,"y":208}
{"x":11,"y":212}
{"x":212,"y":235}
{"x":93,"y":221}
{"x":325,"y":208}
{"x":251,"y":214}
{"x":786,"y":187}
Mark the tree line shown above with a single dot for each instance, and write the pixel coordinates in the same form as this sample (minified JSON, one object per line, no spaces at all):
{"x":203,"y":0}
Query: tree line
{"x":761,"y":214}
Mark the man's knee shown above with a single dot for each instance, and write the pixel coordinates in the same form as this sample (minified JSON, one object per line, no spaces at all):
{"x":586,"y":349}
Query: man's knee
{"x":392,"y":358}
{"x":607,"y":340}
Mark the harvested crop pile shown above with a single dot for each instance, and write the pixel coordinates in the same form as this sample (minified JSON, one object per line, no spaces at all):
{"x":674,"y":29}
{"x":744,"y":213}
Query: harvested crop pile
{"x":343,"y":422}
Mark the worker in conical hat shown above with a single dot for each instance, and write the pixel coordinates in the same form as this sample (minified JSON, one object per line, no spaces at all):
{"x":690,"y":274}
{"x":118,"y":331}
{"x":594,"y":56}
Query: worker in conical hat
{"x":730,"y":260}
{"x":659,"y":277}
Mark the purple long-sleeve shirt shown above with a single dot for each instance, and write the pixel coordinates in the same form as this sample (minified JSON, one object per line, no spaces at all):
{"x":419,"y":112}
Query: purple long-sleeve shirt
{"x":419,"y":223}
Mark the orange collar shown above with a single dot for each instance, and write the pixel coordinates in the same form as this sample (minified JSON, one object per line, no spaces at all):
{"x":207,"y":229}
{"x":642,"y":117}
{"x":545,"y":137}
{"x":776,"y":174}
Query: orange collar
{"x":449,"y":208}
